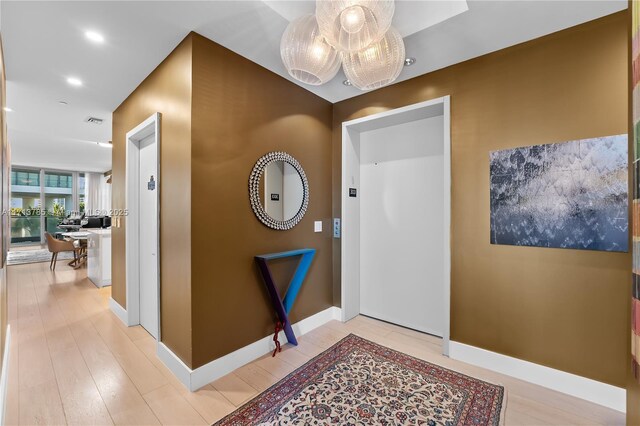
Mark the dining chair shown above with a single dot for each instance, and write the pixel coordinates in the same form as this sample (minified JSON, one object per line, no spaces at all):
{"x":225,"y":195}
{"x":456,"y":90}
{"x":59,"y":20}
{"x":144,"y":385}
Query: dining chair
{"x":56,"y":246}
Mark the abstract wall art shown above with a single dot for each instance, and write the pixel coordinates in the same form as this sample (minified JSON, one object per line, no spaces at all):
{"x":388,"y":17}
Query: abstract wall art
{"x":566,"y":195}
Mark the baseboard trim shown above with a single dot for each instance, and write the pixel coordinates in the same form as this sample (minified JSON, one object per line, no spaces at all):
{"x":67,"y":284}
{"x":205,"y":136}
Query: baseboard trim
{"x":119,"y":311}
{"x":597,"y":392}
{"x":4,"y":377}
{"x":201,"y":376}
{"x":175,"y":365}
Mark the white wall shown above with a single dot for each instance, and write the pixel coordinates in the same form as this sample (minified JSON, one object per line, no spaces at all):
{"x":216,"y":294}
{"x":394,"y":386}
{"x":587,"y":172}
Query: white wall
{"x":282,"y":178}
{"x":292,"y":192}
{"x":273,"y":180}
{"x":351,"y":226}
{"x":402,"y":224}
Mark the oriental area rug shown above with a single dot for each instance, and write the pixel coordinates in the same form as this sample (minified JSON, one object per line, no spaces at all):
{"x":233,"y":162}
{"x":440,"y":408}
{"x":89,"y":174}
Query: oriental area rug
{"x":358,"y":382}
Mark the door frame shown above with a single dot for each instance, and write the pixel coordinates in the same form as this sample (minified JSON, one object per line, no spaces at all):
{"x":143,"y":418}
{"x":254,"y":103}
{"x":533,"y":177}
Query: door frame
{"x":350,"y":209}
{"x":132,"y":231}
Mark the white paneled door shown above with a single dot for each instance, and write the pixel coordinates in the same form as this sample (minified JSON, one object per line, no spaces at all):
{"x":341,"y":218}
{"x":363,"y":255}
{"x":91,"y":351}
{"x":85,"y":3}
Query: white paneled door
{"x":148,"y":226}
{"x":402,"y":225}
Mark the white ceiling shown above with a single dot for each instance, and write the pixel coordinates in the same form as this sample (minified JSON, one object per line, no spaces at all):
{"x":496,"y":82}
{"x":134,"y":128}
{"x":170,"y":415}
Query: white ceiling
{"x":44,"y":44}
{"x":410,"y":16}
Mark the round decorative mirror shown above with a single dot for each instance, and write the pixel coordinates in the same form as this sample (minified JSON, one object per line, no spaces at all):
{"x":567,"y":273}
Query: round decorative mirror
{"x":278,"y":190}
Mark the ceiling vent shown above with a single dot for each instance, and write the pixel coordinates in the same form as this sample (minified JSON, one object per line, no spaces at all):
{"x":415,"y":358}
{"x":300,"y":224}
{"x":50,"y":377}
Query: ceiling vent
{"x":94,"y":120}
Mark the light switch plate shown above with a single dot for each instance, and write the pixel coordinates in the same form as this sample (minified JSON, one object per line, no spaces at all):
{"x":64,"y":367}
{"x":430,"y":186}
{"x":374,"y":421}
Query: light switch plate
{"x":317,"y":226}
{"x":336,"y":227}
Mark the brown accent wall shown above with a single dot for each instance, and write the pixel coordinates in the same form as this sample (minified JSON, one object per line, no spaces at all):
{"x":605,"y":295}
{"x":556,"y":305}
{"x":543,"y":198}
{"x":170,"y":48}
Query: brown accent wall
{"x":566,"y":309}
{"x":242,"y":111}
{"x":166,"y":90}
{"x":220,"y":113}
{"x":5,"y":224}
{"x":562,"y":308}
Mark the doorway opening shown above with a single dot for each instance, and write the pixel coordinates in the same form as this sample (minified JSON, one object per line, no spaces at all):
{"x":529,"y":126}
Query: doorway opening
{"x":142,"y":234}
{"x":396,"y":217}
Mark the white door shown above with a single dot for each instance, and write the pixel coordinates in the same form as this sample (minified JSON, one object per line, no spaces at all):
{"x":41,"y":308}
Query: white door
{"x":402,"y":224}
{"x":148,"y":216}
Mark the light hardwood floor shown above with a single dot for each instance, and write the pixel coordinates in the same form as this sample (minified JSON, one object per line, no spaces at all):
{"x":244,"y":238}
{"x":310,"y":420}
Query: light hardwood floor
{"x":72,"y":361}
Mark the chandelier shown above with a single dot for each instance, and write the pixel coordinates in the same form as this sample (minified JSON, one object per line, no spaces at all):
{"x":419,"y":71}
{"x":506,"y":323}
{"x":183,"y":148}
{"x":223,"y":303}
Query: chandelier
{"x":305,"y":53}
{"x":352,"y":25}
{"x":355,"y":33}
{"x":377,"y":65}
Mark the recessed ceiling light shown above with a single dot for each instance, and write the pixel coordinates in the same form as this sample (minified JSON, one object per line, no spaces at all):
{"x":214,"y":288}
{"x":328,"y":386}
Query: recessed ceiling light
{"x":105,"y":145}
{"x":346,"y":83}
{"x":7,"y":109}
{"x":409,"y":61}
{"x":94,"y":36}
{"x":74,"y":81}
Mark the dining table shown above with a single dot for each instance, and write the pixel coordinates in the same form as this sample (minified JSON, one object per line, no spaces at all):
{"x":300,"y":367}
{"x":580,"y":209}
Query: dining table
{"x":82,"y":238}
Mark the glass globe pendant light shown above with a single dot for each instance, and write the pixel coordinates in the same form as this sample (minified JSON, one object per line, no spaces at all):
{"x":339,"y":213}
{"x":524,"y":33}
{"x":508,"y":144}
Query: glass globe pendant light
{"x":305,"y":53}
{"x":377,"y":65}
{"x":352,"y":25}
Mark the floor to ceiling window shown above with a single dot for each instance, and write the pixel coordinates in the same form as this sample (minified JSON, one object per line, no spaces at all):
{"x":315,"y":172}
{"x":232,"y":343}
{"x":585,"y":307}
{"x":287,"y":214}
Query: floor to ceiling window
{"x":58,"y":199}
{"x":40,"y":199}
{"x":25,"y":206}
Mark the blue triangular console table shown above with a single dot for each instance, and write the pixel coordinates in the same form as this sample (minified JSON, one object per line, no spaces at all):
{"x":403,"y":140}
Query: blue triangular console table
{"x":283,"y":305}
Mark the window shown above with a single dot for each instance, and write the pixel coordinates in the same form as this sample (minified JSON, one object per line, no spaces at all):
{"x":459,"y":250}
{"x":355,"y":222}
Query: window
{"x":81,"y":192}
{"x":25,"y":178}
{"x":58,"y":199}
{"x":40,"y":199}
{"x":25,"y":206}
{"x":58,"y":180}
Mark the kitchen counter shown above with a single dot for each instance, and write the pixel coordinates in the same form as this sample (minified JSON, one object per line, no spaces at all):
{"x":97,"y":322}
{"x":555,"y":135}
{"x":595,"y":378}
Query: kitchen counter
{"x":99,"y":256}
